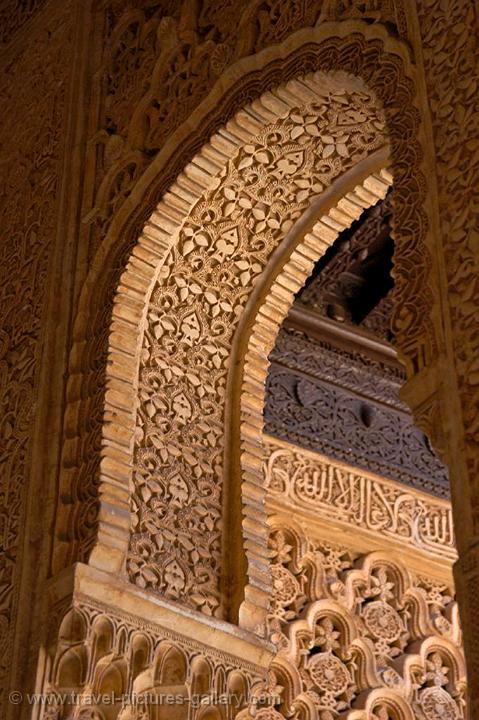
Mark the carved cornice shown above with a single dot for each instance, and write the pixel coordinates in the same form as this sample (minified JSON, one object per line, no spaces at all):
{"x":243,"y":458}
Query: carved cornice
{"x":123,"y":602}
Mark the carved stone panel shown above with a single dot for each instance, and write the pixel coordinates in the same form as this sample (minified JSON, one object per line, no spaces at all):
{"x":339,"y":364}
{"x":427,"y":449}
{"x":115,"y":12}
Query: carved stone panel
{"x":360,"y":635}
{"x":341,"y":494}
{"x":366,"y":53}
{"x":195,"y":306}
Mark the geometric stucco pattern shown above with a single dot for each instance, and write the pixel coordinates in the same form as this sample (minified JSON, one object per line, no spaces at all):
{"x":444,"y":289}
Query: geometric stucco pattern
{"x":360,"y":629}
{"x":195,"y":305}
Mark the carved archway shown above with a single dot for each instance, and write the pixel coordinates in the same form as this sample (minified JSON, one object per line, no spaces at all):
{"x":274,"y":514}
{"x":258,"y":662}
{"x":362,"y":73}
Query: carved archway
{"x":284,"y":151}
{"x":363,"y":52}
{"x":268,"y":306}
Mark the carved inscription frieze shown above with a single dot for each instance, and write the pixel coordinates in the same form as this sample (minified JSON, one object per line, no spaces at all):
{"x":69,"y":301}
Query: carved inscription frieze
{"x":337,"y":492}
{"x":348,"y":409}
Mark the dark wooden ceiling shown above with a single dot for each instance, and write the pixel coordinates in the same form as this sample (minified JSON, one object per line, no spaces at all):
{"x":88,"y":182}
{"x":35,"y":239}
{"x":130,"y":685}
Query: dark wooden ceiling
{"x":335,"y":378}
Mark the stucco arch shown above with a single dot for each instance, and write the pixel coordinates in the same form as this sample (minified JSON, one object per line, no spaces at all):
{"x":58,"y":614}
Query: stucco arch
{"x":280,"y":155}
{"x":365,"y":53}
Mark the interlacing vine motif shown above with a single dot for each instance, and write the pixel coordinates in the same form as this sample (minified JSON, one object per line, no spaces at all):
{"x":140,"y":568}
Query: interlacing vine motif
{"x":161,"y":58}
{"x":194,"y":308}
{"x":358,"y":632}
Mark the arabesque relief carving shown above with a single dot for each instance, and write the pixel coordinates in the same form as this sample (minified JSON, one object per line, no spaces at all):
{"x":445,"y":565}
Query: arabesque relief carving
{"x":195,"y":305}
{"x":452,"y":86}
{"x":32,"y":144}
{"x":364,"y":54}
{"x":453,"y":91}
{"x":359,"y":636}
{"x":163,"y":47}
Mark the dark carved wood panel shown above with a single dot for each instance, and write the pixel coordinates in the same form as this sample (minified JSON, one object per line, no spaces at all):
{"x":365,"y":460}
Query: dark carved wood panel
{"x":334,"y":381}
{"x":352,"y":283}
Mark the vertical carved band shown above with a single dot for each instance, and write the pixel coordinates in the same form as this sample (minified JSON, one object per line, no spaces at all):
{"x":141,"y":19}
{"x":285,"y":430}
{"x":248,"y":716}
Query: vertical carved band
{"x":266,"y":324}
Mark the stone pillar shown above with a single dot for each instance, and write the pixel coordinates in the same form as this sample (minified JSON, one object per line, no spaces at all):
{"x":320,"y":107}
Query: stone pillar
{"x":449,"y":52}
